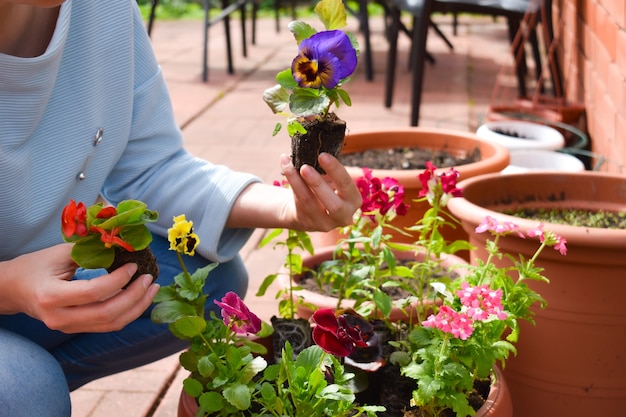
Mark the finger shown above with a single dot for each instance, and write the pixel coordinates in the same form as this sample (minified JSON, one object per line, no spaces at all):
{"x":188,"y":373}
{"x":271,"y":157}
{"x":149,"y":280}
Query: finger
{"x":299,"y":187}
{"x":117,"y":311}
{"x":342,"y":180}
{"x":339,"y":203}
{"x":100,"y":288}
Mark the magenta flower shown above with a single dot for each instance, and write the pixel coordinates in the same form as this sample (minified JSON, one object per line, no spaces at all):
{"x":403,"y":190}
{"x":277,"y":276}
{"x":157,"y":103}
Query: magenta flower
{"x":381,"y":195}
{"x":431,"y":182}
{"x":450,"y":321}
{"x":237,"y":316}
{"x":337,"y":335}
{"x":324,"y":59}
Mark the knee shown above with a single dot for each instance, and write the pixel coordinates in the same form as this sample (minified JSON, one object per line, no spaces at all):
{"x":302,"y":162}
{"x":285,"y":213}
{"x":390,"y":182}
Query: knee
{"x":37,"y":384}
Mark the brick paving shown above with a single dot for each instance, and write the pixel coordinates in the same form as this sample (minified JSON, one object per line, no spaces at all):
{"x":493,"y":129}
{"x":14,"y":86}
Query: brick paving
{"x":226,"y":121}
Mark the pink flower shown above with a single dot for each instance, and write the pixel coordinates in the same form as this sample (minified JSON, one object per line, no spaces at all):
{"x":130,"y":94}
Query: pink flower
{"x":450,"y":321}
{"x":237,"y":315}
{"x":550,"y":238}
{"x":481,"y":302}
{"x":499,"y":228}
{"x":560,"y":244}
{"x":339,"y":335}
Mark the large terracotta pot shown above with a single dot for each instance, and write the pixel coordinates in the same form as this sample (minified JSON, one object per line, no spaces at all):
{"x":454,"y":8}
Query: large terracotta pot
{"x":494,"y":158}
{"x":319,"y":300}
{"x":572,"y":362}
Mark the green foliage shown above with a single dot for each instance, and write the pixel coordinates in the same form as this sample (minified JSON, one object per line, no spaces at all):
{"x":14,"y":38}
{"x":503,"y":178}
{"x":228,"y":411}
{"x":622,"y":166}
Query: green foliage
{"x":222,"y":364}
{"x":301,"y":388}
{"x":297,"y":241}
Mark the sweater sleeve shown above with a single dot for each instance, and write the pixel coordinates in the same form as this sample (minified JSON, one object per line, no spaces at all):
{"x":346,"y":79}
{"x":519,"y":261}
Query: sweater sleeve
{"x":156,"y":169}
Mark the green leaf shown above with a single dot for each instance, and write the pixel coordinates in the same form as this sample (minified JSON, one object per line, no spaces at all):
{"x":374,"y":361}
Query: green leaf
{"x":238,"y":395}
{"x":170,"y":311}
{"x":294,"y":127}
{"x":258,"y":364}
{"x":307,"y":102}
{"x":205,"y":366}
{"x":345,"y":97}
{"x":277,"y":98}
{"x":266,"y":284}
{"x":277,"y":128}
{"x":211,"y":402}
{"x":286,"y":80}
{"x":192,"y":387}
{"x":332,"y":13}
{"x":90,"y":253}
{"x":190,"y":326}
{"x":301,"y":30}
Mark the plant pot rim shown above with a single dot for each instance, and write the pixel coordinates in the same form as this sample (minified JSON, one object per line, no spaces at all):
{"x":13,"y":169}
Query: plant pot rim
{"x":540,"y":135}
{"x":326,"y":301}
{"x":587,"y":193}
{"x":494,"y":157}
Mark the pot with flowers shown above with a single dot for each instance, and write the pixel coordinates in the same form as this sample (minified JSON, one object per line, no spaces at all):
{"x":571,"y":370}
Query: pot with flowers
{"x":228,"y":374}
{"x":443,"y":354}
{"x":402,"y":153}
{"x":367,"y":270}
{"x":570,"y":363}
{"x":306,"y":91}
{"x":108,"y":237}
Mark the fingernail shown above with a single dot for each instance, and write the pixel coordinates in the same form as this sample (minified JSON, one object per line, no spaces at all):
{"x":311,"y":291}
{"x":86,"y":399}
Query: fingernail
{"x":324,"y":157}
{"x":285,"y":160}
{"x":153,"y":289}
{"x":146,"y":280}
{"x":131,"y":268}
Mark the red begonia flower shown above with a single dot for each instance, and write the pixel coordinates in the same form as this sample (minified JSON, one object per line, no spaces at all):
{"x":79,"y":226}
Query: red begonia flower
{"x":110,"y":238}
{"x":73,"y":219}
{"x":106,"y":212}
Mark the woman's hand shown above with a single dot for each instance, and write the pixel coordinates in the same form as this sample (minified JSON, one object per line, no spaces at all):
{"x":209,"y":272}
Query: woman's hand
{"x":321,"y":202}
{"x":40,"y":284}
{"x":314,"y":203}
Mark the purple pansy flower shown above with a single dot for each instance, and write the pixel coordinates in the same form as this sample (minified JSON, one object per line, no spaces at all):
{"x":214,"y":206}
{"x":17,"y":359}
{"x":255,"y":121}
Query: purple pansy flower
{"x":324,"y":59}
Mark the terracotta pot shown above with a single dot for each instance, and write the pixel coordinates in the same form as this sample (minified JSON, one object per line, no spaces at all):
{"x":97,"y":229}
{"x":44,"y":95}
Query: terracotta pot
{"x":494,"y":158}
{"x":499,"y":402}
{"x":553,"y":110}
{"x":324,"y":301}
{"x":572,"y":362}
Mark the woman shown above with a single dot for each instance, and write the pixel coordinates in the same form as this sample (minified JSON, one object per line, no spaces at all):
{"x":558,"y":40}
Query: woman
{"x":84,"y":112}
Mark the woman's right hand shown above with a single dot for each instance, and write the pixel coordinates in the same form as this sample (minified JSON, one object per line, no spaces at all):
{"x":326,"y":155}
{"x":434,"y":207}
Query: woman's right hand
{"x":40,"y":285}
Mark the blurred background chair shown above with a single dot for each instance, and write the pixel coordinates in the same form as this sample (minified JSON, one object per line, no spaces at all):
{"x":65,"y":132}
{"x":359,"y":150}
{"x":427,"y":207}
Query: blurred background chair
{"x":224,"y":10}
{"x":420,"y":11}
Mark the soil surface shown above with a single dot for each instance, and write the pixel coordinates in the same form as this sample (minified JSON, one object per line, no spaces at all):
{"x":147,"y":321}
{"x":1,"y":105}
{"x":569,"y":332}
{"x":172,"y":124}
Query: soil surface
{"x":406,"y":158}
{"x":573,"y":217}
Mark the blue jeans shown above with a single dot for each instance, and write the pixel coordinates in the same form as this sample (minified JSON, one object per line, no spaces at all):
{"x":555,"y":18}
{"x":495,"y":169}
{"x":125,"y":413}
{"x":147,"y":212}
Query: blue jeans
{"x":85,"y":357}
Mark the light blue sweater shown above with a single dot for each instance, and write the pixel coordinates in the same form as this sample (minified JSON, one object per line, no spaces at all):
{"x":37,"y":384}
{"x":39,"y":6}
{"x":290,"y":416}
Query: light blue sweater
{"x":99,"y":72}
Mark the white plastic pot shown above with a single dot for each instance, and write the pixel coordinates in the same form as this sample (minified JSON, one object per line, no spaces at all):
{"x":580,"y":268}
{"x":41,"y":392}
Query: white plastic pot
{"x":518,"y":134}
{"x":525,"y":160}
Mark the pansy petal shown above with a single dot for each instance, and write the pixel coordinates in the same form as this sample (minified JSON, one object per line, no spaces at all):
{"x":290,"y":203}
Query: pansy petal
{"x":329,"y":342}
